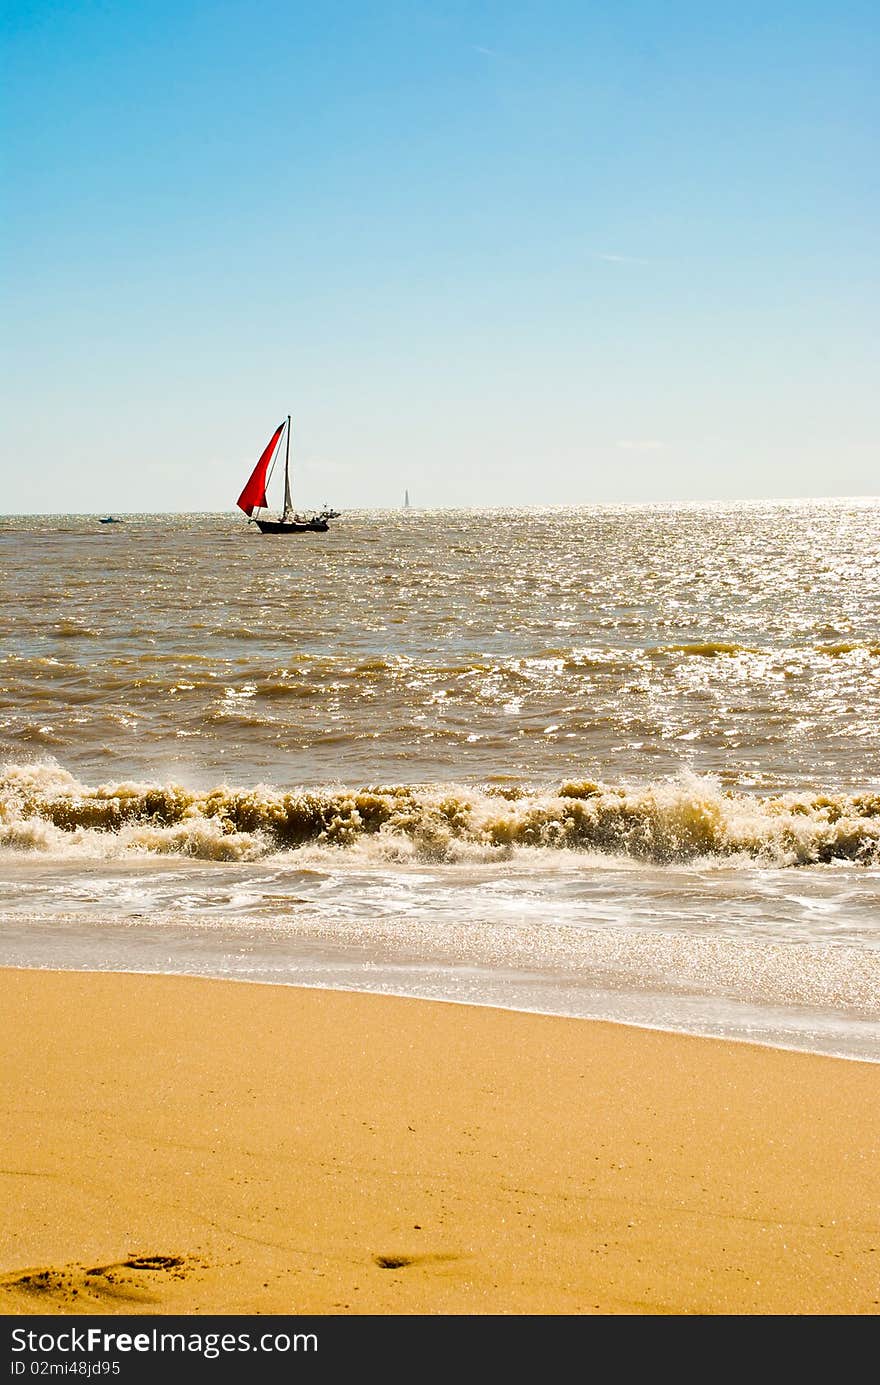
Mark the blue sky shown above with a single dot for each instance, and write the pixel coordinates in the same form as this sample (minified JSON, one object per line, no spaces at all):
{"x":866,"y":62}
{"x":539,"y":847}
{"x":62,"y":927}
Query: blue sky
{"x":495,"y":253}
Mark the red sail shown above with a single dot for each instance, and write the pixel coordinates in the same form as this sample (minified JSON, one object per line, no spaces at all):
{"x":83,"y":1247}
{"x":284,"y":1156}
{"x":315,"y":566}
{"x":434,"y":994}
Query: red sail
{"x":253,"y":497}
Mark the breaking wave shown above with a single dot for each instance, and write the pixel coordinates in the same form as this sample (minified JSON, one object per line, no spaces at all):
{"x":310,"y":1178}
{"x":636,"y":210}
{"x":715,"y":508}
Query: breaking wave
{"x":43,"y":808}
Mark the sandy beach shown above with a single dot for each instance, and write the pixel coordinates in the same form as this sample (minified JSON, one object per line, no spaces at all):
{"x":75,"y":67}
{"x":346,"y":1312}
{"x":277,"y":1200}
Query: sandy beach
{"x":175,"y":1145}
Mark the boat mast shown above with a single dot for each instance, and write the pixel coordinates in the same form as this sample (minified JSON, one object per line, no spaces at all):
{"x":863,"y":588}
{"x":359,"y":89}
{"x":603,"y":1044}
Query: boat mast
{"x":288,"y":504}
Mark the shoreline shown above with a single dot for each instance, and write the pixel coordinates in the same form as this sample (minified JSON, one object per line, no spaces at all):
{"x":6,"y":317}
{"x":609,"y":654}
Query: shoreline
{"x":187,"y":1145}
{"x":469,"y":1002}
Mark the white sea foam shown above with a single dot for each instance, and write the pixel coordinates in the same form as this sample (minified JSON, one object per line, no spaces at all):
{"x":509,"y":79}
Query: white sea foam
{"x":44,"y":808}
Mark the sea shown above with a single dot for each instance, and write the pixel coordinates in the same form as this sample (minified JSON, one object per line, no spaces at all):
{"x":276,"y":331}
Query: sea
{"x":619,"y":762}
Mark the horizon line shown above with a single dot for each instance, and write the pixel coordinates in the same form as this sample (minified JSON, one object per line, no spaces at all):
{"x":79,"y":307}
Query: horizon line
{"x":467,"y":509}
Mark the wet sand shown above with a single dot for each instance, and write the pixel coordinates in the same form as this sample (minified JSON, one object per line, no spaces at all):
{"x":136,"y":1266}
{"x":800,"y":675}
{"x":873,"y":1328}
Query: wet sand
{"x":175,"y":1145}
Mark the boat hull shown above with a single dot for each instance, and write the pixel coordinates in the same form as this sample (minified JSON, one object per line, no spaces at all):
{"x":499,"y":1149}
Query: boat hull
{"x":280,"y":526}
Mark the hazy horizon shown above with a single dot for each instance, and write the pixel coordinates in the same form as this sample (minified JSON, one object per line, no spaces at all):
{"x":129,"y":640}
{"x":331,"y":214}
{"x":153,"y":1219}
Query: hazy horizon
{"x":414,"y":508}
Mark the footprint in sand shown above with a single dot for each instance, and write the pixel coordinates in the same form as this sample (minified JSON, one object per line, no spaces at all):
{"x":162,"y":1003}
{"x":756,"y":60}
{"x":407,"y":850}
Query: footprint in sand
{"x":119,"y":1287}
{"x":402,"y":1262}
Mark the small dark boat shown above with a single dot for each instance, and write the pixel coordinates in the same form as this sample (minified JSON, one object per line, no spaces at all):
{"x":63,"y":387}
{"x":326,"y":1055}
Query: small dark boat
{"x":253,"y":497}
{"x":109,"y":519}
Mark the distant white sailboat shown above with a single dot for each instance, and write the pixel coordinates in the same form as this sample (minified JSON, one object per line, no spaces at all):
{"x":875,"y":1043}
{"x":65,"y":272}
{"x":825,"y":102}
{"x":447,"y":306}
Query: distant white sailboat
{"x":406,"y":500}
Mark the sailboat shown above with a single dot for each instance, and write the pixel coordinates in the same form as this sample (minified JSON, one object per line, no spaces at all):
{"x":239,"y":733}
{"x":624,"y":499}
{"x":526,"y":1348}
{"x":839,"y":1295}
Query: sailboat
{"x":406,"y":500}
{"x":253,"y":497}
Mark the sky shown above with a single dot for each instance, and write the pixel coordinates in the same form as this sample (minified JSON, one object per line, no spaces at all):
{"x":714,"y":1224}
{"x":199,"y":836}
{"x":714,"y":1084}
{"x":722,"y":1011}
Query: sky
{"x":493,"y":253}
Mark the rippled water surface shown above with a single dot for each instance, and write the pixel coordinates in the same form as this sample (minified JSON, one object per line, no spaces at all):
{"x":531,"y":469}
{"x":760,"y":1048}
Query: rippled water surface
{"x":741,"y":641}
{"x":617,"y":761}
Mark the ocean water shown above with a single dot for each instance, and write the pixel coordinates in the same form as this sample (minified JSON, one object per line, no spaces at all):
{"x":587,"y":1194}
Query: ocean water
{"x":620,"y":762}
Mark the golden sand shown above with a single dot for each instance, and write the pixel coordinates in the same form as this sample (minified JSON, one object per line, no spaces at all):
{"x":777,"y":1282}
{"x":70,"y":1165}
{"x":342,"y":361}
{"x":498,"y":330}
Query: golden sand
{"x":175,"y":1145}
